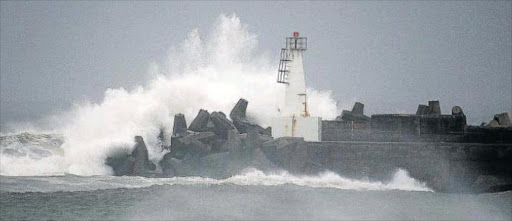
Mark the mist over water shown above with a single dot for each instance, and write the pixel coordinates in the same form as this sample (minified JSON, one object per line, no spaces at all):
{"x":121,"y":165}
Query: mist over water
{"x":210,"y":71}
{"x":206,"y":199}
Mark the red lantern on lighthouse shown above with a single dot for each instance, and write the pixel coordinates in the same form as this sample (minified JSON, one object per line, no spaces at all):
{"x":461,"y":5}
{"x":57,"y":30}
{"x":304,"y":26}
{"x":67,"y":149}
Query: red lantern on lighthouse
{"x":295,"y":34}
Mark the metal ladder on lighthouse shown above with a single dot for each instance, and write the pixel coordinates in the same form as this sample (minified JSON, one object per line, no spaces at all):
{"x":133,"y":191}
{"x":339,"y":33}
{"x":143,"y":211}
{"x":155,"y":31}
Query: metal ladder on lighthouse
{"x":282,"y":72}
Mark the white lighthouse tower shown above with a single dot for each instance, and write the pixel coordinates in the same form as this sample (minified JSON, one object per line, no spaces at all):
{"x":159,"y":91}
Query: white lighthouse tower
{"x":295,"y":120}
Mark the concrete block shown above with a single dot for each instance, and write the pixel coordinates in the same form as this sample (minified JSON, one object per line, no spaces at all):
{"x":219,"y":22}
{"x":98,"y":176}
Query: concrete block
{"x":180,"y":125}
{"x":422,"y":110}
{"x":493,"y":123}
{"x":222,"y":124}
{"x":503,"y":119}
{"x":434,"y":107}
{"x":358,"y":108}
{"x":199,"y":124}
{"x":233,"y":143}
{"x":239,"y":110}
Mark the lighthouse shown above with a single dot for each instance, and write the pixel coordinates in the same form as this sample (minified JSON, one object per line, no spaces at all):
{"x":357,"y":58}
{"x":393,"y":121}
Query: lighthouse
{"x":295,"y":119}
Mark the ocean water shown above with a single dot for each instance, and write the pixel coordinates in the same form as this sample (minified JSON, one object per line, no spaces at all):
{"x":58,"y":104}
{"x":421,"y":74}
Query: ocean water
{"x":34,"y":185}
{"x":61,"y":175}
{"x":136,"y":198}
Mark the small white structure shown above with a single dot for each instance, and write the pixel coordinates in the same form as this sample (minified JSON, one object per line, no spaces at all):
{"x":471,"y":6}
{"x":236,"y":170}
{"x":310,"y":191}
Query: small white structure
{"x":295,"y":120}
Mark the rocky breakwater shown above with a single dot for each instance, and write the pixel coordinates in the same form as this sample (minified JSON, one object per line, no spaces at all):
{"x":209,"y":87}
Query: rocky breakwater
{"x":211,"y":146}
{"x":137,"y":163}
{"x":217,"y":147}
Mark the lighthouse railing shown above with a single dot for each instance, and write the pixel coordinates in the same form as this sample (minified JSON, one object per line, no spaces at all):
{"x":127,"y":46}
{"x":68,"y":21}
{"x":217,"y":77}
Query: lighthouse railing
{"x":297,"y":43}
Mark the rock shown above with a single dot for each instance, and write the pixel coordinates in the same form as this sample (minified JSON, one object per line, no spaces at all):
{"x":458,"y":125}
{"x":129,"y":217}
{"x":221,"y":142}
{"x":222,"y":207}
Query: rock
{"x":267,"y":131}
{"x":224,"y":165}
{"x":222,"y":124}
{"x":239,"y":110}
{"x":503,"y":119}
{"x":434,"y":107}
{"x":180,"y":125}
{"x":358,"y":108}
{"x":199,"y":147}
{"x":210,"y":126}
{"x":195,"y":143}
{"x":493,"y":123}
{"x":253,"y":140}
{"x":457,"y":111}
{"x":122,"y":164}
{"x":422,"y":110}
{"x":137,"y":163}
{"x":199,"y":124}
{"x":195,"y":147}
{"x":178,"y":149}
{"x":241,"y":125}
{"x":238,"y":116}
{"x":172,"y":167}
{"x":168,"y":169}
{"x":264,"y":138}
{"x":349,"y":116}
{"x":355,"y":115}
{"x":204,"y":137}
{"x":218,"y":145}
{"x":218,"y":165}
{"x":233,"y":143}
{"x":141,"y":162}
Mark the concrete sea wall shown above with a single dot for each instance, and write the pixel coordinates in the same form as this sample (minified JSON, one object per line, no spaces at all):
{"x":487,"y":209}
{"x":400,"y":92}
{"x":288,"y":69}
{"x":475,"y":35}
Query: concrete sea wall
{"x":446,"y":167}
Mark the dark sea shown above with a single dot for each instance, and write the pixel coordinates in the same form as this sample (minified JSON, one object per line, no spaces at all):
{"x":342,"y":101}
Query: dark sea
{"x":135,"y":198}
{"x":34,"y":185}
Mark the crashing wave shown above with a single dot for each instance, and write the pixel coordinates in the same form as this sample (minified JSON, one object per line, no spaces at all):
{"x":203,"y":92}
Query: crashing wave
{"x":206,"y":71}
{"x":28,"y":154}
{"x":251,"y":177}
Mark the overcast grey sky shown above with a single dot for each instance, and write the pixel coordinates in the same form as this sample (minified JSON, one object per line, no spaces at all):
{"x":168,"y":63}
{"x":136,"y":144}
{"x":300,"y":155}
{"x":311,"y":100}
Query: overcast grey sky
{"x":390,"y":55}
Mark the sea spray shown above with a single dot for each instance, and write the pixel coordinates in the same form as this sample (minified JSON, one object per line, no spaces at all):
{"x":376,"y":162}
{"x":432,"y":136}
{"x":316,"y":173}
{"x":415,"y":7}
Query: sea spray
{"x":250,"y":177}
{"x":210,"y":73}
{"x":28,"y":154}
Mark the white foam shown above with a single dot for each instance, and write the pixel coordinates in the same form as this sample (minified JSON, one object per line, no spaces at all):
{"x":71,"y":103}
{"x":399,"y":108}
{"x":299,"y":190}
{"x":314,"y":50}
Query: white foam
{"x":400,"y":181}
{"x":208,"y":73}
{"x":26,"y":166}
{"x":252,"y":177}
{"x":29,"y":154}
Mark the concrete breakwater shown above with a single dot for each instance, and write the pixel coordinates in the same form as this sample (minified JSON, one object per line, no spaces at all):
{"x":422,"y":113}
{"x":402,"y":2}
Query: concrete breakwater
{"x":215,"y":146}
{"x":446,"y":167}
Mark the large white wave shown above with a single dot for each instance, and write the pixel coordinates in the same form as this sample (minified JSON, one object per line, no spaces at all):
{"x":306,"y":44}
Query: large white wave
{"x":210,"y":72}
{"x":251,"y":177}
{"x":28,"y":154}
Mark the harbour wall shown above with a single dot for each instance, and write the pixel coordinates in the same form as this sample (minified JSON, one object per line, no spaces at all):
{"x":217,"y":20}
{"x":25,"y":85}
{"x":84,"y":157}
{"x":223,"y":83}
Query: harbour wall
{"x":446,"y":167}
{"x":414,"y":129}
